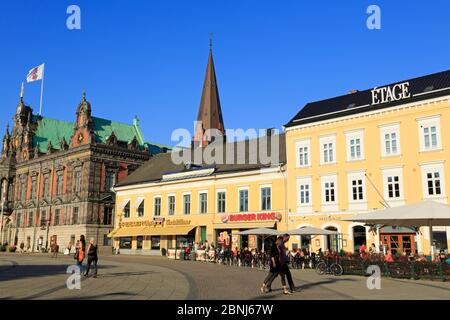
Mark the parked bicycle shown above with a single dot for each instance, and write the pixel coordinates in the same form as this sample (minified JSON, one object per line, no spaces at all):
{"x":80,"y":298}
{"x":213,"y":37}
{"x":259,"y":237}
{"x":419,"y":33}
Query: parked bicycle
{"x":327,"y":265}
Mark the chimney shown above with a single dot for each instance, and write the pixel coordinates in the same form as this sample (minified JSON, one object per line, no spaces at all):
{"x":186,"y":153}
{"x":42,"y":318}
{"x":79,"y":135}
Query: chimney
{"x":353,"y":91}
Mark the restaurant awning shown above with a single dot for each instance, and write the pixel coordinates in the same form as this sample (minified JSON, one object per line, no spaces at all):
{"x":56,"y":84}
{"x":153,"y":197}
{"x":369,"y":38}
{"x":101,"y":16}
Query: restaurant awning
{"x":167,"y":231}
{"x":126,"y":232}
{"x":124,"y":204}
{"x":138,"y":202}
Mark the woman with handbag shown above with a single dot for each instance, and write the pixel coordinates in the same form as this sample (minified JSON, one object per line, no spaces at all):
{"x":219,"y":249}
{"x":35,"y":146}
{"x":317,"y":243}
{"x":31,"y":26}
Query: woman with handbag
{"x":80,"y":252}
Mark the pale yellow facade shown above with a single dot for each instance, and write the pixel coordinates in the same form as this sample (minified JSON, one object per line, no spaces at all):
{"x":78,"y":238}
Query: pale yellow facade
{"x":410,"y":163}
{"x":213,"y":221}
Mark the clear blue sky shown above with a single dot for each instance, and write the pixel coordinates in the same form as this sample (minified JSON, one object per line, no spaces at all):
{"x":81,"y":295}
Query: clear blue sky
{"x":148,"y":58}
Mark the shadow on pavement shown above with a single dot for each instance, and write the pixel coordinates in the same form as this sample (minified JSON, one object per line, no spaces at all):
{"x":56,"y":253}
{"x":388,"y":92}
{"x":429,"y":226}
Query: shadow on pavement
{"x":102,"y":295}
{"x":33,"y":271}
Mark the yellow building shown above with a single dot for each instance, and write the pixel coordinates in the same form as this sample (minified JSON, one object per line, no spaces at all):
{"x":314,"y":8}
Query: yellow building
{"x":163,"y":205}
{"x":367,"y":150}
{"x":167,"y":204}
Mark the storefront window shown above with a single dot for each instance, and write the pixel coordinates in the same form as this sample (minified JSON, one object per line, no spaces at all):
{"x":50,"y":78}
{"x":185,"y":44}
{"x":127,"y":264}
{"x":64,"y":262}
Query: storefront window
{"x":139,"y":242}
{"x":125,"y":243}
{"x":156,"y":243}
{"x":184,"y":241}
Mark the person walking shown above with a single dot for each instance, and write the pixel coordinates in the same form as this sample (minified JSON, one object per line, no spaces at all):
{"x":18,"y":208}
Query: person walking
{"x":284,"y":266}
{"x":80,"y":252}
{"x":275,"y":267}
{"x":92,"y":252}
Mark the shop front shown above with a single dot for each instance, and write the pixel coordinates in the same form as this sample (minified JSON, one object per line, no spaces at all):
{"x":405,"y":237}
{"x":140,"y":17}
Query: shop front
{"x":229,"y":224}
{"x":153,"y":237}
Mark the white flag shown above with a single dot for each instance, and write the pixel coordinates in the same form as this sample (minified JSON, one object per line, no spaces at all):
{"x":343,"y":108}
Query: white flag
{"x":36,"y":73}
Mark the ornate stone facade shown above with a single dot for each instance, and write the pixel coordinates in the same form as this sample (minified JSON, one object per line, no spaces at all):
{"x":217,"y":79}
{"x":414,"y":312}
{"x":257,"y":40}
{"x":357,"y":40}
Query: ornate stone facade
{"x":56,"y":176}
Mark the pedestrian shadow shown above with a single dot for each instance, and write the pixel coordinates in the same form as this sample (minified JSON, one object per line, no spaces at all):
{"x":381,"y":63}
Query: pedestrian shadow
{"x":124,"y":274}
{"x":33,"y":271}
{"x":100,"y":295}
{"x":299,"y":289}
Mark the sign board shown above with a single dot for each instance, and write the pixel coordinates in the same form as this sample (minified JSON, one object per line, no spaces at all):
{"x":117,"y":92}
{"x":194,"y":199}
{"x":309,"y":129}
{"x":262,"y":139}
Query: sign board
{"x":263,"y":216}
{"x":395,"y":92}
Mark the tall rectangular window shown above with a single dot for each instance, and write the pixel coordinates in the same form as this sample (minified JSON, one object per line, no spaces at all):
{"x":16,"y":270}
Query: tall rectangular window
{"x":221,"y":202}
{"x":430,"y":137}
{"x":30,"y":219}
{"x":243,"y":200}
{"x":328,"y":155}
{"x":266,"y":203}
{"x":304,"y":194}
{"x":57,"y":217}
{"x":33,"y":188}
{"x":77,"y":181}
{"x":46,"y":184}
{"x":357,"y":190}
{"x":23,"y":188}
{"x":59,"y":183}
{"x":434,"y":183}
{"x":329,"y":192}
{"x":141,"y":209}
{"x":393,"y":185}
{"x":126,"y":210}
{"x":171,"y":205}
{"x":107,"y":216}
{"x":390,"y":143}
{"x":110,"y":180}
{"x":187,"y":204}
{"x":355,"y":148}
{"x":43,"y":218}
{"x":75,"y":215}
{"x":203,"y":202}
{"x":157,"y":205}
{"x":303,"y":156}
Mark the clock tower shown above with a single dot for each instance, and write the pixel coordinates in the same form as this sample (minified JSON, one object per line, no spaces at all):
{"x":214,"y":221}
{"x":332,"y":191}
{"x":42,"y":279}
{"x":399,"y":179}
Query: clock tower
{"x":84,"y":126}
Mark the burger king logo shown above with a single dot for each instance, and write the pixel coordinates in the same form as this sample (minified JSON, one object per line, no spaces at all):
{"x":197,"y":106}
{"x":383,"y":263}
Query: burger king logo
{"x":225,"y":217}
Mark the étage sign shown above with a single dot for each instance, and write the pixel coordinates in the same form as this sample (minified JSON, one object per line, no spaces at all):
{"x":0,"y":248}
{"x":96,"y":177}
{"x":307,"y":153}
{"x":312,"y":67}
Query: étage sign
{"x":396,"y":92}
{"x":264,"y":216}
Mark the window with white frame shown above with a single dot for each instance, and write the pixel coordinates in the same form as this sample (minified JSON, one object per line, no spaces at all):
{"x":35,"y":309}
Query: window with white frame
{"x":140,"y":209}
{"x":304,"y":190}
{"x":186,"y":203}
{"x":355,"y":146}
{"x":429,"y":133}
{"x":203,"y":198}
{"x":329,"y":189}
{"x":393,"y":185}
{"x":157,"y":206}
{"x":433,"y":180}
{"x":243,"y":200}
{"x":390,"y":140}
{"x":171,"y":205}
{"x":266,"y":198}
{"x":357,"y":190}
{"x":328,"y":149}
{"x":304,"y":194}
{"x":221,"y":202}
{"x":303,"y":153}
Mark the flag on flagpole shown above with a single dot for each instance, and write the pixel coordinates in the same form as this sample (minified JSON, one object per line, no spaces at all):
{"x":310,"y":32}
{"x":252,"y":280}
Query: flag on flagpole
{"x":37,"y":73}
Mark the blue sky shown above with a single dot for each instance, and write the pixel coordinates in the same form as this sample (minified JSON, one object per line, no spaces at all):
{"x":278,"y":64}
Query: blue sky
{"x":148,"y":58}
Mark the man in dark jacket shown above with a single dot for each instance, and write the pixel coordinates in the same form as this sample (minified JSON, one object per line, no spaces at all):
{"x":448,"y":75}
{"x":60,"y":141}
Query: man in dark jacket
{"x":92,"y":257}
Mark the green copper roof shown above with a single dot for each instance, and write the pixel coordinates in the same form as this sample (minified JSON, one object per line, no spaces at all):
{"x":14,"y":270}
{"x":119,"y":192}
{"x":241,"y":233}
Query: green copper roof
{"x":51,"y":130}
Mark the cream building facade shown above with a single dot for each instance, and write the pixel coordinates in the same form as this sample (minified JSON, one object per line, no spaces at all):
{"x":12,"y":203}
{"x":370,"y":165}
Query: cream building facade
{"x":368,"y":150}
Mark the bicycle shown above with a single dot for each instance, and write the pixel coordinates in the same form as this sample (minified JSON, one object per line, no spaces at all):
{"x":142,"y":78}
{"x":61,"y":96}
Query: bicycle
{"x":325,"y":267}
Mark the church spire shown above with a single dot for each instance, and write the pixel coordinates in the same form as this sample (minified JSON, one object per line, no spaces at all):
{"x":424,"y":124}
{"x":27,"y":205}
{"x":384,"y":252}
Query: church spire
{"x":210,"y":112}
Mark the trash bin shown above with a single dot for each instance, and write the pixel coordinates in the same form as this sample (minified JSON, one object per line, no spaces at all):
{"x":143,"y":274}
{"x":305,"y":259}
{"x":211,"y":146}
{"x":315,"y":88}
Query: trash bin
{"x":192,"y":256}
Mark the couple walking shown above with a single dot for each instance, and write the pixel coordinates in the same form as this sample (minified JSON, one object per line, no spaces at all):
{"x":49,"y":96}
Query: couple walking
{"x":91,"y":253}
{"x":279,"y":266}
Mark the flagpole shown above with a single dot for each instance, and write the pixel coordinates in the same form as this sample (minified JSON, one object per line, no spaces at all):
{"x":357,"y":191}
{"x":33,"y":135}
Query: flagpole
{"x":42,"y":90}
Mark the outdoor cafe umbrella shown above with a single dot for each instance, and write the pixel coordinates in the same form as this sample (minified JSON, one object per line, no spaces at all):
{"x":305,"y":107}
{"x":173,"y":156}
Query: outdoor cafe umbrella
{"x":309,"y":231}
{"x":427,"y":213}
{"x":263,"y":232}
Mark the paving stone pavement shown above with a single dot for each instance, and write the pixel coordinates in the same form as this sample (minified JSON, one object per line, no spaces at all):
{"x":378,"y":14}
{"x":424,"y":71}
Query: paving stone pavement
{"x":138,"y":277}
